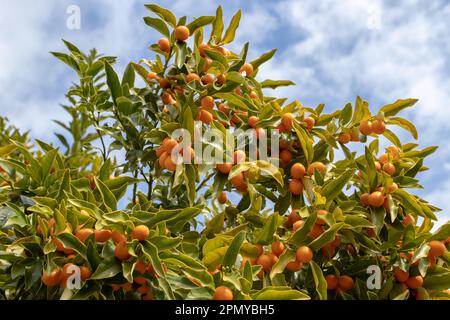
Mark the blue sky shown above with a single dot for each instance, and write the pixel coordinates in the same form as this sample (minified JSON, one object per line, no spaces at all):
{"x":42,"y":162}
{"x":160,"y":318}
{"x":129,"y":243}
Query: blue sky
{"x":333,"y":50}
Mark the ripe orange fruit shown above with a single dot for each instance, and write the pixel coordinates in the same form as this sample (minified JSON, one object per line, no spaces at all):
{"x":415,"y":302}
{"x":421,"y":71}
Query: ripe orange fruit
{"x":182,"y":33}
{"x":377,"y":166}
{"x":207,"y":102}
{"x":252,"y":121}
{"x":260,"y":249}
{"x":376,"y":199}
{"x":366,"y":127}
{"x":319,"y":220}
{"x":365,"y":199}
{"x":192,"y":77}
{"x":169,"y":143}
{"x":223,"y":293}
{"x":389,"y":168}
{"x":384,"y":158}
{"x":167,"y":98}
{"x":247,"y":68}
{"x":294,"y":266}
{"x":277,"y":248}
{"x":205,"y":116}
{"x":83,"y":234}
{"x":354,"y":135}
{"x":371,"y":232}
{"x":143,"y":289}
{"x":287,"y":120}
{"x":164,"y":45}
{"x":297,"y":225}
{"x":400,"y":275}
{"x":316,"y":231}
{"x":265,"y":261}
{"x":238,"y":180}
{"x":118,"y":237}
{"x":414,"y":282}
{"x":310,"y":122}
{"x":225,"y":168}
{"x":344,"y":138}
{"x":437,"y":248}
{"x":202,"y":47}
{"x":304,"y":254}
{"x":408,"y":219}
{"x":164,"y":83}
{"x":222,"y":198}
{"x":392,"y":188}
{"x":208,"y":79}
{"x":169,"y":164}
{"x":286,"y":156}
{"x":140,"y":280}
{"x":296,"y":187}
{"x":253,"y":95}
{"x":140,"y":267}
{"x":53,"y":278}
{"x":298,"y":171}
{"x":121,"y":251}
{"x":394,"y":151}
{"x":140,"y":232}
{"x":152,"y":75}
{"x":319,"y":166}
{"x":378,"y":126}
{"x":332,"y":281}
{"x":102,"y":235}
{"x":85,"y":273}
{"x":346,"y":283}
{"x":224,"y":108}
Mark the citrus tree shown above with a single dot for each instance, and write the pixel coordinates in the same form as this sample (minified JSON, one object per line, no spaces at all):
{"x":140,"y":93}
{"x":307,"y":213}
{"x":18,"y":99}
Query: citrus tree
{"x":112,"y":207}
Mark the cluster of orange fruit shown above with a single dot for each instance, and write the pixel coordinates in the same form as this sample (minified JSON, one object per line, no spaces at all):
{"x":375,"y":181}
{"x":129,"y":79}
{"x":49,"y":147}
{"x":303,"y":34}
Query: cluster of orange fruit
{"x":340,"y":284}
{"x":238,"y":180}
{"x":60,"y":276}
{"x":366,"y":127}
{"x":223,"y":293}
{"x":140,"y":282}
{"x":298,"y":172}
{"x":287,"y":123}
{"x":164,"y":154}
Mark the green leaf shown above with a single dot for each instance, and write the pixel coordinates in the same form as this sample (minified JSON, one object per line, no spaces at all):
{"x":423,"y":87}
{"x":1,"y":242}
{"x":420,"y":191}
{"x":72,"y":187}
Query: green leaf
{"x":326,"y":237}
{"x":108,"y":197}
{"x":5,"y":150}
{"x":233,"y":250}
{"x":439,"y":281}
{"x":411,"y":203}
{"x":124,"y":105}
{"x":405,"y":124}
{"x":392,"y":109}
{"x":165,"y":14}
{"x":181,"y":50}
{"x":231,"y":30}
{"x":305,"y":141}
{"x":113,"y":82}
{"x":128,"y":76}
{"x":346,"y":114}
{"x":273,"y":84}
{"x":265,"y":235}
{"x":106,"y":269}
{"x":263,"y":58}
{"x":300,"y":236}
{"x":71,"y":62}
{"x":217,"y":27}
{"x":151,"y":251}
{"x":333,"y":188}
{"x":319,"y":280}
{"x":72,"y":242}
{"x":279,"y":293}
{"x":199,"y":22}
{"x":159,"y":25}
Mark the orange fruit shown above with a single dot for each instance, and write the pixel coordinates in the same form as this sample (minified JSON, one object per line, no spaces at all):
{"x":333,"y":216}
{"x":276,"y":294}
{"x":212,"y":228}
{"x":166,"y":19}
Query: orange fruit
{"x":344,"y":138}
{"x":437,"y":248}
{"x":319,"y":220}
{"x":121,"y":251}
{"x":394,"y":151}
{"x":140,"y":267}
{"x":152,"y":75}
{"x":366,"y":127}
{"x":223,"y":293}
{"x":265,"y":261}
{"x":140,"y":280}
{"x":208,"y":79}
{"x":297,"y":225}
{"x":260,"y":249}
{"x":164,"y":45}
{"x":143,"y":289}
{"x":316,"y":231}
{"x":298,"y":171}
{"x":182,"y":33}
{"x":118,"y":237}
{"x":83,"y":234}
{"x":53,"y":278}
{"x":286,"y":156}
{"x":205,"y":116}
{"x":202,"y":47}
{"x":310,"y":122}
{"x":192,"y":77}
{"x":224,"y":108}
{"x":222,"y":198}
{"x":365,"y":199}
{"x":408,"y":219}
{"x":277,"y":248}
{"x":225,"y":168}
{"x":332,"y":281}
{"x":159,"y":151}
{"x":393,"y":187}
{"x":384,"y":158}
{"x":354,"y":135}
{"x":140,"y":232}
{"x":414,"y":282}
{"x":400,"y":275}
{"x":221,"y":79}
{"x":247,"y":68}
{"x":304,"y":254}
{"x":376,"y":199}
{"x":389,"y":168}
{"x":346,"y":283}
{"x":102,"y":235}
{"x":378,"y":126}
{"x":252,"y":121}
{"x":169,"y":164}
{"x":85,"y":273}
{"x":238,"y":180}
{"x":169,"y":143}
{"x":167,"y":98}
{"x":296,"y":187}
{"x":287,"y":120}
{"x":294,"y":266}
{"x":377,"y":166}
{"x":319,"y":166}
{"x":207,"y":102}
{"x":164,"y":83}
